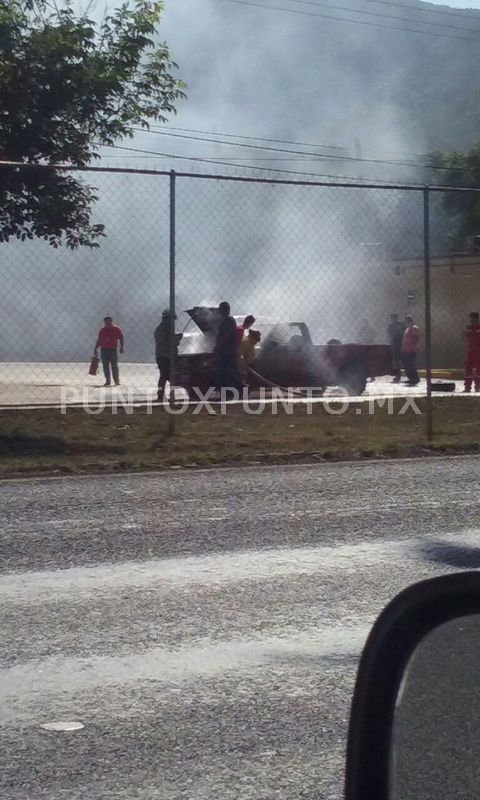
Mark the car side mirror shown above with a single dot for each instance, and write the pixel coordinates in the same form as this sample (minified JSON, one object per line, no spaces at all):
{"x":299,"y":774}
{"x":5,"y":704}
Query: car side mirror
{"x":415,"y":716}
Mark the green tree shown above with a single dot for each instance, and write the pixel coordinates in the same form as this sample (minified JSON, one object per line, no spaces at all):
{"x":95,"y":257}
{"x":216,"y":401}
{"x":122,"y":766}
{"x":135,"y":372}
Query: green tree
{"x":462,"y":209}
{"x":67,"y":86}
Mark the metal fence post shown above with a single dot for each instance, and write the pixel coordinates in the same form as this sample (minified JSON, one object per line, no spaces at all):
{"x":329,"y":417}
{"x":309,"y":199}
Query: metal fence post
{"x":428,"y":318}
{"x":171,"y":399}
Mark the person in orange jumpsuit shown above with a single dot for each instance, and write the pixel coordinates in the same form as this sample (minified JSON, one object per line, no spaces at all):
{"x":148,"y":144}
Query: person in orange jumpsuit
{"x":472,"y":357}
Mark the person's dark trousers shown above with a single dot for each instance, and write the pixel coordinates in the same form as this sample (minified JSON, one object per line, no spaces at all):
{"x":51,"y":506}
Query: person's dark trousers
{"x":228,"y":375}
{"x":410,"y":366}
{"x":163,"y":365}
{"x":397,"y":363}
{"x":110,"y":361}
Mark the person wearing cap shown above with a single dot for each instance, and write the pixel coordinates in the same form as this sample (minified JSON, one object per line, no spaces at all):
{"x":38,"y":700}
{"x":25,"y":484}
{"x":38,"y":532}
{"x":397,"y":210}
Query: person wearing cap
{"x":162,"y":351}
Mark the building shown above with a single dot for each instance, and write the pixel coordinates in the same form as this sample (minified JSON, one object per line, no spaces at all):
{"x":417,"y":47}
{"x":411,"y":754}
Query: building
{"x":455,"y":292}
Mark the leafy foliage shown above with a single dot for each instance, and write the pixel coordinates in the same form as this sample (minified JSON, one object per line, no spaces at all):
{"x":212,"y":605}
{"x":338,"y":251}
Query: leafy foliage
{"x":462,"y":209}
{"x":68,"y":85}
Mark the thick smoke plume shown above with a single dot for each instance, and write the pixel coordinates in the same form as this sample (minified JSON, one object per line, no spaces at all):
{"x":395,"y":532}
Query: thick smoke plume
{"x":287,"y":253}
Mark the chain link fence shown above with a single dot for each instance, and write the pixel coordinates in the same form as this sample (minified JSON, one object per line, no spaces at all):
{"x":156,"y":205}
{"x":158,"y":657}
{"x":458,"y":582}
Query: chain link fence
{"x":455,"y":277}
{"x":54,"y":300}
{"x":315,"y":254}
{"x":329,"y":263}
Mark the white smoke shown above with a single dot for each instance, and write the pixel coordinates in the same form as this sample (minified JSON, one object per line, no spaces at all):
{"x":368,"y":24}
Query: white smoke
{"x":282,"y":252}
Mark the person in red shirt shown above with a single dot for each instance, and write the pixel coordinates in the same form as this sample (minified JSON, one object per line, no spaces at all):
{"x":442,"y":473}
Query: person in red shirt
{"x":472,"y":356}
{"x":247,"y":323}
{"x":410,"y":343}
{"x":108,"y":340}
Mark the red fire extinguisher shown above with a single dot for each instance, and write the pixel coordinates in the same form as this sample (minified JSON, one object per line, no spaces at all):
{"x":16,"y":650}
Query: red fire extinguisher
{"x":94,"y":365}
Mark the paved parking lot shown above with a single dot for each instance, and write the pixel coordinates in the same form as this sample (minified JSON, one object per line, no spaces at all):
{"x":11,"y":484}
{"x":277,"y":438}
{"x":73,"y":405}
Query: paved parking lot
{"x":25,"y":384}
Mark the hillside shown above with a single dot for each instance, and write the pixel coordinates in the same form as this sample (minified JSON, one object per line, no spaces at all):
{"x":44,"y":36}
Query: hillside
{"x":297,"y":75}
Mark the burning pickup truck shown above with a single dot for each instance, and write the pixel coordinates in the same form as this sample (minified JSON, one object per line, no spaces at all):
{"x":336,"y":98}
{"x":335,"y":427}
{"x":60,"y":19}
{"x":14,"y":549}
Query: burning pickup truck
{"x":286,"y":357}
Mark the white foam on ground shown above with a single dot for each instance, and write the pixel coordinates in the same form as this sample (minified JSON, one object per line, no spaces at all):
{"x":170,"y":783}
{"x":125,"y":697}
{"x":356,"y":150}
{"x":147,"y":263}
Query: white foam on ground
{"x":36,"y":680}
{"x":77,"y":583}
{"x":25,"y":384}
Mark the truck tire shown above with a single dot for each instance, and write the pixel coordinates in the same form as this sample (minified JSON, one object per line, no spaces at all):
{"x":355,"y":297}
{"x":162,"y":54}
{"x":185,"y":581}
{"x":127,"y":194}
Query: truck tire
{"x":353,"y":378}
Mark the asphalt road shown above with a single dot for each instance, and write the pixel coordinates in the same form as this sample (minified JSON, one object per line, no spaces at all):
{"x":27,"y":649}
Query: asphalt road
{"x":205,"y":627}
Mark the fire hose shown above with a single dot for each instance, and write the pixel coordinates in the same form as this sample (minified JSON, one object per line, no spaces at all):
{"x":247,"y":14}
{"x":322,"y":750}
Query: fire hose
{"x":270,"y":385}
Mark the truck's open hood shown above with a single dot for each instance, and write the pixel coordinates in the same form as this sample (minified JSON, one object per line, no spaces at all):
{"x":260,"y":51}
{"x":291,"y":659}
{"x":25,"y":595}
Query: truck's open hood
{"x":206,"y":317}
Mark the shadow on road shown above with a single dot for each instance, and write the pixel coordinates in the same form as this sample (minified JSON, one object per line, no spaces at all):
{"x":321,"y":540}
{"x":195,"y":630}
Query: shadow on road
{"x":316,"y":661}
{"x":463,"y":557}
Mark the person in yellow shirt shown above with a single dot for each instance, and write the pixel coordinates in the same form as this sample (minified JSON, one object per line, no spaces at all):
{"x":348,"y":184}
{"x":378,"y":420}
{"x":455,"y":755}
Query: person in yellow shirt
{"x":247,"y":347}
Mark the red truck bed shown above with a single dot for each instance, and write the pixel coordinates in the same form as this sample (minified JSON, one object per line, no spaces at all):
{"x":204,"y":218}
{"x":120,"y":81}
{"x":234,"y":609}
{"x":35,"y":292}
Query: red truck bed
{"x":290,"y":362}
